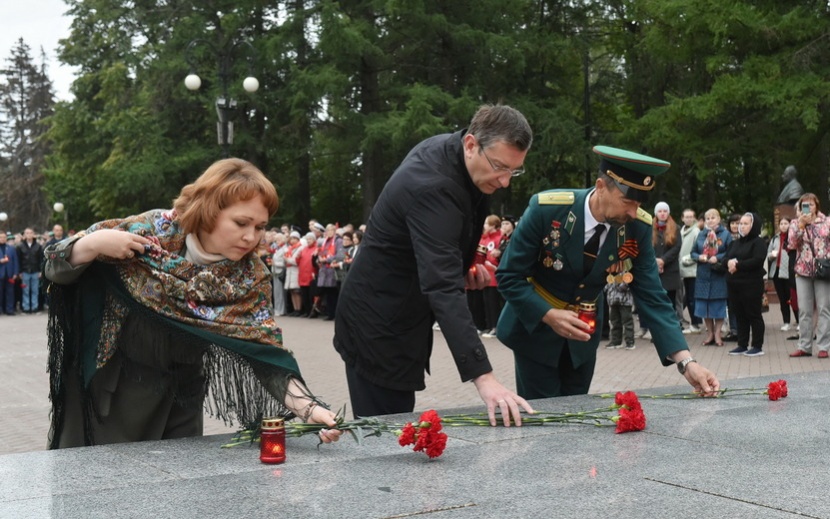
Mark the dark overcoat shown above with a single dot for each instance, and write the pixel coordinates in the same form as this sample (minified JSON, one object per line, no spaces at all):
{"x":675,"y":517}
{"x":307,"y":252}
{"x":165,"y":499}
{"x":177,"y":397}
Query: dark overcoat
{"x":419,"y":242}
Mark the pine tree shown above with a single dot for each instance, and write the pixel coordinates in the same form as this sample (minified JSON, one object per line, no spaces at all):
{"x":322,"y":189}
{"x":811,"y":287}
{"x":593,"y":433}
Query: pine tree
{"x":26,"y":100}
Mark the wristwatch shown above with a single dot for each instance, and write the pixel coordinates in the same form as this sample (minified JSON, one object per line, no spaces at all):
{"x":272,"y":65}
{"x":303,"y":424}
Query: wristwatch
{"x":681,"y":366}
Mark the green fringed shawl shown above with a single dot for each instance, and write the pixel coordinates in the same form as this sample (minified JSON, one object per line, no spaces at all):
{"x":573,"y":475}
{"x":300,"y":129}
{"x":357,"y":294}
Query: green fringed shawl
{"x":219,"y":314}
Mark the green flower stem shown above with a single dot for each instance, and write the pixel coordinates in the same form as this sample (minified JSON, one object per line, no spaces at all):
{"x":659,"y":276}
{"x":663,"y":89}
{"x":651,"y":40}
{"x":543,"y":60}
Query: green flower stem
{"x":690,"y":396}
{"x":365,"y":427}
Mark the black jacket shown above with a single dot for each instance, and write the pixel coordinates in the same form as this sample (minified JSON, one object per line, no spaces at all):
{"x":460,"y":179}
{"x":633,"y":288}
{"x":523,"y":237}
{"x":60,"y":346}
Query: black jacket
{"x":419,"y":242}
{"x":751,"y":253}
{"x":31,"y":257}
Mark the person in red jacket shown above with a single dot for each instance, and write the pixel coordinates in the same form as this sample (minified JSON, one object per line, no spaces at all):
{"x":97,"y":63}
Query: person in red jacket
{"x":307,"y":273}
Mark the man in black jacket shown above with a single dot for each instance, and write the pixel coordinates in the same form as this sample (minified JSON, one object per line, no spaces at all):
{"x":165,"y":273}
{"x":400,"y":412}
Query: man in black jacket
{"x":30,"y":253}
{"x":416,"y":258}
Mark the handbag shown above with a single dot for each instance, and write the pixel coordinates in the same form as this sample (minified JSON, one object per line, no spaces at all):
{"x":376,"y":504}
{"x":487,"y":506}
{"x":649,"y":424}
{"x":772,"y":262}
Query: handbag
{"x":764,"y":304}
{"x":822,"y":269}
{"x":822,"y":265}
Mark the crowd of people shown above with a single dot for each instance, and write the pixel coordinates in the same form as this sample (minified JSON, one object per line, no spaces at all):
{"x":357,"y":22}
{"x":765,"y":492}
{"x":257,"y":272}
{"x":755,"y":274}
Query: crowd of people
{"x":308,"y":269}
{"x":21,"y":263}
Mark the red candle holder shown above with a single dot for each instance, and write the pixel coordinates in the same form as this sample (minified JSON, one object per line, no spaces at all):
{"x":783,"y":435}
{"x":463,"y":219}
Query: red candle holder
{"x":272,"y":441}
{"x":481,"y":254}
{"x":588,"y":314}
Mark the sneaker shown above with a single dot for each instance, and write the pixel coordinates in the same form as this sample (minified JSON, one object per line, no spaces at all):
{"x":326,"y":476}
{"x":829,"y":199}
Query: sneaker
{"x":786,"y":327}
{"x":754,"y":352}
{"x":612,"y":346}
{"x":823,"y":355}
{"x":740,"y":350}
{"x":801,"y":353}
{"x":793,"y":337}
{"x":489,"y":334}
{"x":630,"y":346}
{"x":647,"y":335}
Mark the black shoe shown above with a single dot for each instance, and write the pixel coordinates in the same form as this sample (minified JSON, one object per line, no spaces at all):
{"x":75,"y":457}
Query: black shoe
{"x":328,"y":318}
{"x":731,"y":338}
{"x":793,"y":337}
{"x":312,"y":315}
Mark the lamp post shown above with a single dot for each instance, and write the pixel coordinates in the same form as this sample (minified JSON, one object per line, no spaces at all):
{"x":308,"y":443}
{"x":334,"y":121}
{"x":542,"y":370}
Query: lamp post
{"x":225,"y":105}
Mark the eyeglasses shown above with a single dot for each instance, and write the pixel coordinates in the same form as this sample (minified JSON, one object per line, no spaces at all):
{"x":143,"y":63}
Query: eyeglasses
{"x":501,"y":169}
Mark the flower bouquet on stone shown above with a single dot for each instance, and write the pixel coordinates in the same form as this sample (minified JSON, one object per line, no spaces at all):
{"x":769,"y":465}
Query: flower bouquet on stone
{"x":775,"y":390}
{"x":427,"y":436}
{"x":626,"y":415}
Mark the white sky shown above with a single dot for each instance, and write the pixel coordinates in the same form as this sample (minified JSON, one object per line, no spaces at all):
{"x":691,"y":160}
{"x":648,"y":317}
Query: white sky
{"x":41,"y":24}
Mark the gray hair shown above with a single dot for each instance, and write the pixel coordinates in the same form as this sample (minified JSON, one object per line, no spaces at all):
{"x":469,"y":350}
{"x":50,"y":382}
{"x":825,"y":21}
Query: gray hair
{"x":501,"y":123}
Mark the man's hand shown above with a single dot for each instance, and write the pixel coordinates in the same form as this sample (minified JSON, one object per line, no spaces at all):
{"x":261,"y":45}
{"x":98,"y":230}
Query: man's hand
{"x":494,"y":394}
{"x":704,"y":382}
{"x":566,"y":324}
{"x":477,"y":278}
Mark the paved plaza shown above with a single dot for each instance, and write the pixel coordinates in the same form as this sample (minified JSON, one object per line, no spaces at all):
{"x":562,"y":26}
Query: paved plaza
{"x":24,"y":405}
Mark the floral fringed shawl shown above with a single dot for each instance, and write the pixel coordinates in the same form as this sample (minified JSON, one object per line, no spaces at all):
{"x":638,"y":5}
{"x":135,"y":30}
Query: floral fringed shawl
{"x":220,"y":313}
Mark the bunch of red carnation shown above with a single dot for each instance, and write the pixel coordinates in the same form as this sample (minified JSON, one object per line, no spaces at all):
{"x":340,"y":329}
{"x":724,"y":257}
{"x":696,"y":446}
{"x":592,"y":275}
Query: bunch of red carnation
{"x":426,"y":435}
{"x":631,"y":416}
{"x":777,"y":389}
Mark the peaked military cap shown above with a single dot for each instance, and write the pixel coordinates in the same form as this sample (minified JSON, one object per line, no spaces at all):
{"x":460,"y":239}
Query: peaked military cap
{"x":632,"y":172}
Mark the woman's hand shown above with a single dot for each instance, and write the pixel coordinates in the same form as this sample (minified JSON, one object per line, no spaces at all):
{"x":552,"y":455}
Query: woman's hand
{"x":112,"y":243}
{"x":309,"y":411}
{"x":324,"y":416}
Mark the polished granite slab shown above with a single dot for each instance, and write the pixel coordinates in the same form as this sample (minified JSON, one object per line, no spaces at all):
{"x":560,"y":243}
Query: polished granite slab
{"x":737,"y":457}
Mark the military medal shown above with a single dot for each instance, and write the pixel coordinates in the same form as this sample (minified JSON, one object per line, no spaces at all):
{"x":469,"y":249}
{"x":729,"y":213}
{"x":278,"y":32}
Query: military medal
{"x":557,"y":265}
{"x":610,"y":279}
{"x":546,"y":240}
{"x":547,"y":262}
{"x":628,"y":277}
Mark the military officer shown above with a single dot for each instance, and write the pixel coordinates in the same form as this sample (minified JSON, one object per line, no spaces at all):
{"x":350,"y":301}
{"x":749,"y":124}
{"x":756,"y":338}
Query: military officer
{"x":567,"y":246}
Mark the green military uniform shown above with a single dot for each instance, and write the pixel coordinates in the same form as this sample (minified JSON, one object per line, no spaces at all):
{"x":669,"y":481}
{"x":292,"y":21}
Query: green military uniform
{"x":543,"y":268}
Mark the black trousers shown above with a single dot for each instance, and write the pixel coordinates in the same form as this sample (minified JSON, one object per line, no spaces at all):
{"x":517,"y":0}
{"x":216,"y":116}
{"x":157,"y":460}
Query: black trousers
{"x":369,"y":399}
{"x":745,"y":302}
{"x":782,"y":289}
{"x":535,"y":380}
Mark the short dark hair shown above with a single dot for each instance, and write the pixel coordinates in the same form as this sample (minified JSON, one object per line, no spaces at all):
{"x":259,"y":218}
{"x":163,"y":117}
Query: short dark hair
{"x":494,"y":123}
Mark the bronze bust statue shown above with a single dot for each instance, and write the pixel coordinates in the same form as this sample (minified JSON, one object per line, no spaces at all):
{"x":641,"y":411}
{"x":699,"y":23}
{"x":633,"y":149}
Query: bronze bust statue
{"x":792,"y":188}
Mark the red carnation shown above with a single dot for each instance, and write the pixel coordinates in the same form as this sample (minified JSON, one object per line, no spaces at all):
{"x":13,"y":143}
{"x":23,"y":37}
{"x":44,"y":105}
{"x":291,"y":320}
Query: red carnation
{"x":421,"y":440}
{"x":630,"y":420}
{"x":783,"y":385}
{"x":776,"y":390}
{"x":407,"y":436}
{"x":431,"y":420}
{"x":628,"y":400}
{"x":437,"y":444}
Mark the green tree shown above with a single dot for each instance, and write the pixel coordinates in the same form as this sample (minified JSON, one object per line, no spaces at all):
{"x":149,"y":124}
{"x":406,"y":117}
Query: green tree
{"x":26,"y":100}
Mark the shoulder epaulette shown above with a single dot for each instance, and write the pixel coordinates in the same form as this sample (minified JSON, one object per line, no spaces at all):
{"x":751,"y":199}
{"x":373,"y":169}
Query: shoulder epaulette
{"x":556,"y":198}
{"x":643,"y":216}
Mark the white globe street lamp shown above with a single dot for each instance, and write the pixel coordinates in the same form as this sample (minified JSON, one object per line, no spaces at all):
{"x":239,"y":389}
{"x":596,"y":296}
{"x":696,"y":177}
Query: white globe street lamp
{"x":225,"y":104}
